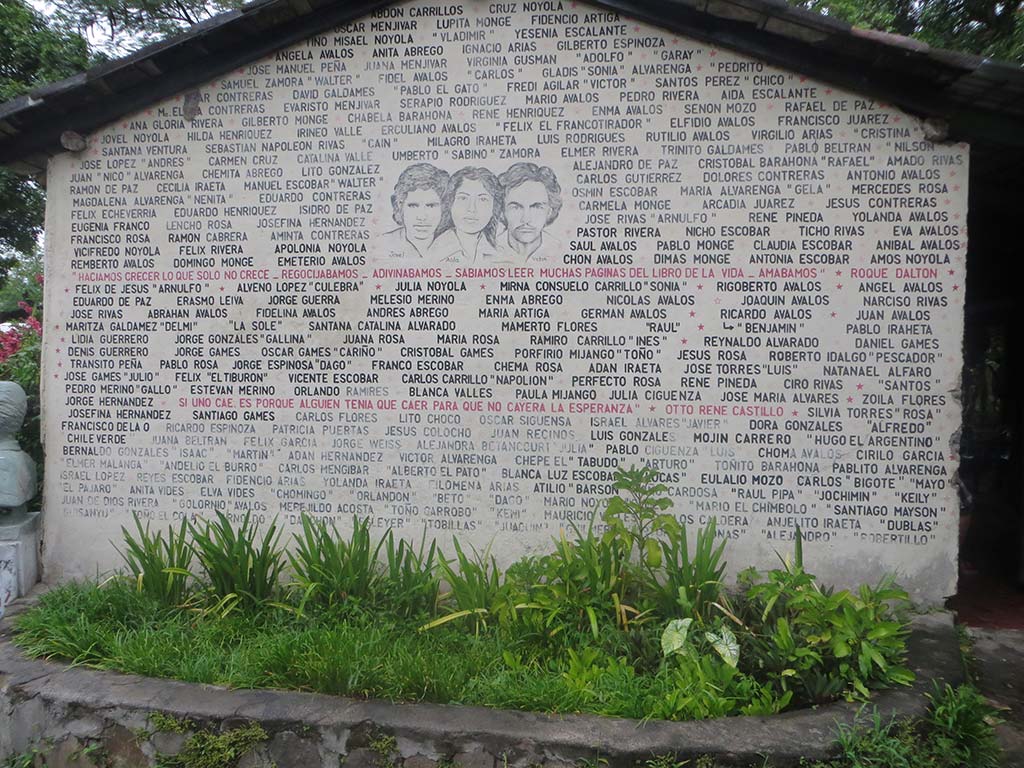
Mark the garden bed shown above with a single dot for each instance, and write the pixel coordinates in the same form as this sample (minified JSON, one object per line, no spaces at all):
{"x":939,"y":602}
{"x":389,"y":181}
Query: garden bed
{"x":49,"y":703}
{"x":628,"y":617}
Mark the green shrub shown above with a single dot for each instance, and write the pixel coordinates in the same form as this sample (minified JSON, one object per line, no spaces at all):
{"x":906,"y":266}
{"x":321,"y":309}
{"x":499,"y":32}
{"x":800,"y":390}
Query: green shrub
{"x":691,"y":584}
{"x":670,"y":579}
{"x":638,"y":518}
{"x":390,"y":574}
{"x":583,"y":586}
{"x":640,"y":567}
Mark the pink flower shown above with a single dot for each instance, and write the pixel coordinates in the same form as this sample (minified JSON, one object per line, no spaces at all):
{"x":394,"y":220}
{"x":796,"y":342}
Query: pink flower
{"x":31,"y":321}
{"x":10,"y":342}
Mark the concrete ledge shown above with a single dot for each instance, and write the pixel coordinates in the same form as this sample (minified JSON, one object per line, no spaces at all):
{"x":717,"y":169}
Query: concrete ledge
{"x":48,"y":703}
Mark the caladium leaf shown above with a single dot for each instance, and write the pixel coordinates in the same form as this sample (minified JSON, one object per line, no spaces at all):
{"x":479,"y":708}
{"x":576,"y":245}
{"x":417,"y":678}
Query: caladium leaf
{"x":724,"y":642}
{"x":673,"y":639}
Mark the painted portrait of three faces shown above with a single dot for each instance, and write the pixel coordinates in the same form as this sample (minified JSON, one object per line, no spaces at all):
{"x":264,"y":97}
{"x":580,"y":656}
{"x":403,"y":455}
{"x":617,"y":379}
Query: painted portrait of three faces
{"x":473,"y":216}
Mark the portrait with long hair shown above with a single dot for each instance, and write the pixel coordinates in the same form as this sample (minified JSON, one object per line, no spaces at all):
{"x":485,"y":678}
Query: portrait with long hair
{"x":417,"y":206}
{"x":471,"y":217}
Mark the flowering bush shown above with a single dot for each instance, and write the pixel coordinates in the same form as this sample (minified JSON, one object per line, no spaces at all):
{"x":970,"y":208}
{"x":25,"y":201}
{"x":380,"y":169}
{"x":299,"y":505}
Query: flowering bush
{"x":20,"y":347}
{"x":14,"y":337}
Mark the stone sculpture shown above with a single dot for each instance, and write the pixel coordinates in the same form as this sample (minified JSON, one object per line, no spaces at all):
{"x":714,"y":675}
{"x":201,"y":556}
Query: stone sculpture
{"x":17,"y":469}
{"x":18,"y":537}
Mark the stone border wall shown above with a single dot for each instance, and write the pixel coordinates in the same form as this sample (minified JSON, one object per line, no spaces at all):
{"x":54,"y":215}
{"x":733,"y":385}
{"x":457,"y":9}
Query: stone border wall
{"x":91,"y":719}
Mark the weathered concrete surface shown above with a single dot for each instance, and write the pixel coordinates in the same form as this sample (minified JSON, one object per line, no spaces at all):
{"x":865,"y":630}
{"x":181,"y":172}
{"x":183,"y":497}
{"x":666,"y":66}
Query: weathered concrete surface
{"x":1000,"y":666}
{"x":43,"y":702}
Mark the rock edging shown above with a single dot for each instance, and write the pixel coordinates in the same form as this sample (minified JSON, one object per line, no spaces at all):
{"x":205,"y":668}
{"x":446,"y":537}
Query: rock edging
{"x":79,"y":715}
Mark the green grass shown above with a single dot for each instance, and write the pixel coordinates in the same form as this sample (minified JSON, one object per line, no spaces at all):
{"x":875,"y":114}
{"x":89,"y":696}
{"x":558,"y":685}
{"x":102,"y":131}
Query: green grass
{"x":957,"y":733}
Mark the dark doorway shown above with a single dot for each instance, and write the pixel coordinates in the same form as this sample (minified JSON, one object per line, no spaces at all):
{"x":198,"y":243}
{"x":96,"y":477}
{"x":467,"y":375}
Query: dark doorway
{"x":991,"y":589}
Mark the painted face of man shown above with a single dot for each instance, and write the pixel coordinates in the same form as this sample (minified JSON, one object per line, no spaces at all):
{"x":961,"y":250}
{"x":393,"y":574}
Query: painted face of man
{"x":472,"y":207}
{"x":421,"y":213}
{"x":527,"y":210}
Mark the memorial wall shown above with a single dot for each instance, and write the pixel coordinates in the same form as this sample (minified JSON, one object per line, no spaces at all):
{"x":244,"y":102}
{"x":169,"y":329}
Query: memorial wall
{"x":450,"y":265}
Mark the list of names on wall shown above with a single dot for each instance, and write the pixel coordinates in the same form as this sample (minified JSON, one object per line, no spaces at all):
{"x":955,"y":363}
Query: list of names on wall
{"x":450,"y":265}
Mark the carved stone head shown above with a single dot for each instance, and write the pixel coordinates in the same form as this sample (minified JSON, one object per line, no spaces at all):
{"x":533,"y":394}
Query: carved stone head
{"x":13,"y":405}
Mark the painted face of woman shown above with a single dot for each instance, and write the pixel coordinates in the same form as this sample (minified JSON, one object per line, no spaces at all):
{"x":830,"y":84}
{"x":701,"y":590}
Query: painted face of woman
{"x":472,"y":207}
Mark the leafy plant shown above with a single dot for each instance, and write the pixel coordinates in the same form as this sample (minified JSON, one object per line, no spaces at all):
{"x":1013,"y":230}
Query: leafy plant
{"x":690,"y":584}
{"x":410,"y":584}
{"x":638,"y":517}
{"x":724,"y":642}
{"x":702,"y":687}
{"x":584,"y":668}
{"x":242,"y":567}
{"x":159,"y":564}
{"x":590,"y":580}
{"x":673,"y":639}
{"x":586,"y":585}
{"x":825,"y":641}
{"x":961,"y":726}
{"x":657,"y":546}
{"x":330,"y":570}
